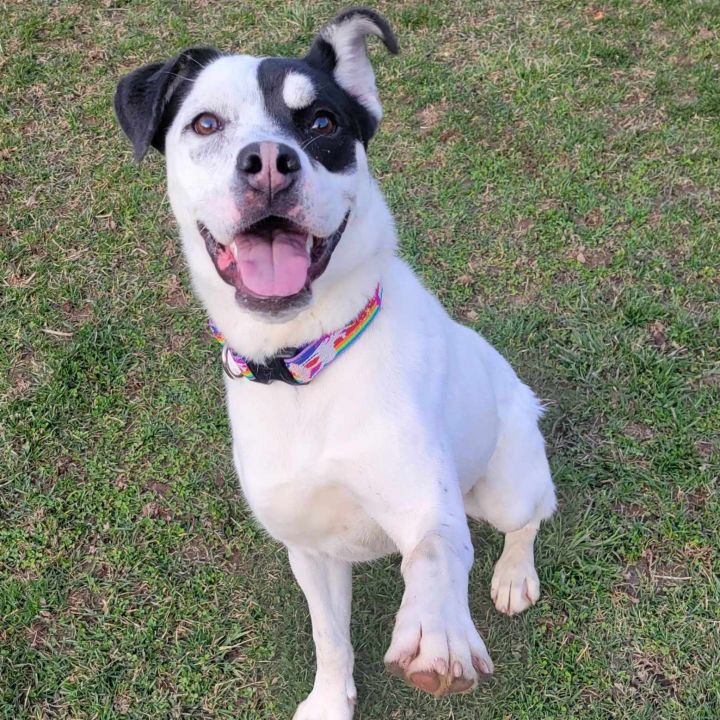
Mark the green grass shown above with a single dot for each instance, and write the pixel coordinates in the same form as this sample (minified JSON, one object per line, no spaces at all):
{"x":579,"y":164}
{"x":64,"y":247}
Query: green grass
{"x":554,"y":168}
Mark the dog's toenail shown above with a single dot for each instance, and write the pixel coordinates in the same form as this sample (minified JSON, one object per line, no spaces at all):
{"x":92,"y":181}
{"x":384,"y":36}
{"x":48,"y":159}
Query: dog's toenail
{"x":481,"y":666}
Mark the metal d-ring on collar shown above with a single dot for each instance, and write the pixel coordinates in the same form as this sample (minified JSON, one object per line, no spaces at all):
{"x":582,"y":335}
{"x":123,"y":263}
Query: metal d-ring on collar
{"x":228,"y":364}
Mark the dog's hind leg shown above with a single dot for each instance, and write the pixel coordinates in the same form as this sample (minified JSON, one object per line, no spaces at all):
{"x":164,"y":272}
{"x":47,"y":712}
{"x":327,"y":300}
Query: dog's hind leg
{"x":515,"y":496}
{"x":515,"y":585}
{"x":327,"y":584}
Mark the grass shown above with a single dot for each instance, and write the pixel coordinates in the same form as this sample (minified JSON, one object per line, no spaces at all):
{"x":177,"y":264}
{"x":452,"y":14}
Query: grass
{"x":554,"y":170}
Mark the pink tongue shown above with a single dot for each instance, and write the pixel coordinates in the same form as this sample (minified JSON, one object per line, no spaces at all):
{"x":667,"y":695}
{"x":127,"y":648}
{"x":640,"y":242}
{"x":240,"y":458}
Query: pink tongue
{"x":274,"y":269}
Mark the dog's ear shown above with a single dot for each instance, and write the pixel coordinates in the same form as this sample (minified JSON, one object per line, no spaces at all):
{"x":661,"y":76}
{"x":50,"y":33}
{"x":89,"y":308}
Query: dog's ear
{"x":147,"y":100}
{"x":340,"y":49}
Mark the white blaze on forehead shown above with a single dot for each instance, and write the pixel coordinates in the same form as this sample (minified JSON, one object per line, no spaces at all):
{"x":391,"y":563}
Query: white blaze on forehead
{"x":298,"y":91}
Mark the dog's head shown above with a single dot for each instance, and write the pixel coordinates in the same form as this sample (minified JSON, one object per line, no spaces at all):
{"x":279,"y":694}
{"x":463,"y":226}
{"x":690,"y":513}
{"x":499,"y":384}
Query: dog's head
{"x":265,"y":156}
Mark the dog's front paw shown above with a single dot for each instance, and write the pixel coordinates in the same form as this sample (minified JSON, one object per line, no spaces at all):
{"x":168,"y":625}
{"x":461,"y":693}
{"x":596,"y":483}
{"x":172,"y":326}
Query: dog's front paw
{"x":515,"y":585}
{"x":328,"y":702}
{"x":438,"y":652}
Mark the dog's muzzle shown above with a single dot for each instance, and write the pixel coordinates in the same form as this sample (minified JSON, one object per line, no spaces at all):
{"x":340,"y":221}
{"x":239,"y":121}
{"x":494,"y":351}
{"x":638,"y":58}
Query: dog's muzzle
{"x":273,"y":262}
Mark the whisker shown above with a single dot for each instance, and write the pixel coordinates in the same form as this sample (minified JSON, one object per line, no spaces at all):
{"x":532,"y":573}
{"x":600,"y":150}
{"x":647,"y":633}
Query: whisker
{"x":306,"y":145}
{"x":195,"y":60}
{"x":182,"y":77}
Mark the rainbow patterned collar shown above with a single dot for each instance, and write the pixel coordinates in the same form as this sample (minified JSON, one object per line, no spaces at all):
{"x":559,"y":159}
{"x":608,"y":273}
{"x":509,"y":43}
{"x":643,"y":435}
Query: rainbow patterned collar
{"x":298,"y":366}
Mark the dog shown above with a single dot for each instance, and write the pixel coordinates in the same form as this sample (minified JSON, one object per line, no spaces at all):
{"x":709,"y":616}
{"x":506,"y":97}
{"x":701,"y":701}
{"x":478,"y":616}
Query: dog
{"x":365,"y":421}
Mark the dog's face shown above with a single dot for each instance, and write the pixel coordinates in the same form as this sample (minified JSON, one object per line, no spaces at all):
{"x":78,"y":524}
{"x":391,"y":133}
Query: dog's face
{"x":265,"y":156}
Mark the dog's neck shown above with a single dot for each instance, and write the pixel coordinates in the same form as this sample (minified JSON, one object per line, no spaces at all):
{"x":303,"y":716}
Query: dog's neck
{"x":367,"y":246}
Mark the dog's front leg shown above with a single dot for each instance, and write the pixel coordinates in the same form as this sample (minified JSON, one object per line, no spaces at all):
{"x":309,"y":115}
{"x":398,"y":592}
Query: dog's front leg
{"x":327,"y":584}
{"x":435,"y":646}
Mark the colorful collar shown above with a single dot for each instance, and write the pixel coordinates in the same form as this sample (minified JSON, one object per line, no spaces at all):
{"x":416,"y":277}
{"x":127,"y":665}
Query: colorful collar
{"x":298,"y":366}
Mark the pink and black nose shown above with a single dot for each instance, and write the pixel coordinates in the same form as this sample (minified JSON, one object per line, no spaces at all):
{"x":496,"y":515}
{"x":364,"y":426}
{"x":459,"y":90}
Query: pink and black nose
{"x":269,"y":167}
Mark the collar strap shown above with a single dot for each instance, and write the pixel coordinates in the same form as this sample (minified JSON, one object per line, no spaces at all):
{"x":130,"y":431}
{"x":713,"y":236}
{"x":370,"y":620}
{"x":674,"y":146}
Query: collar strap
{"x":298,"y":366}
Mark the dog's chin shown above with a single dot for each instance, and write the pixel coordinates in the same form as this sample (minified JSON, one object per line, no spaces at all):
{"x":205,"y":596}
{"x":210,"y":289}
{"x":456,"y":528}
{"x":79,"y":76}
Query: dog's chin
{"x":272,"y":264}
{"x":275,"y":310}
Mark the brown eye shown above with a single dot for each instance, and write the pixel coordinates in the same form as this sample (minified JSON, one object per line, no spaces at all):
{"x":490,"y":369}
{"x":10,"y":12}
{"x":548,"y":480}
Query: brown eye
{"x":324,"y":124}
{"x":206,"y":124}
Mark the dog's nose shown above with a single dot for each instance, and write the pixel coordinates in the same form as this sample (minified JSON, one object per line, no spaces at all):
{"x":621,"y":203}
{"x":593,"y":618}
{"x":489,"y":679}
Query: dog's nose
{"x":269,"y":167}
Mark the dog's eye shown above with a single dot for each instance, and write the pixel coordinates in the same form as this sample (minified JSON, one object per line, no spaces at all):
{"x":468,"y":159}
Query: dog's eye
{"x":324,"y":124}
{"x":206,"y":124}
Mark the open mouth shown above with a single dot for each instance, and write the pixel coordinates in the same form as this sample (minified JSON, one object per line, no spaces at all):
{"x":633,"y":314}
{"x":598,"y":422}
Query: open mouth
{"x":273,"y":259}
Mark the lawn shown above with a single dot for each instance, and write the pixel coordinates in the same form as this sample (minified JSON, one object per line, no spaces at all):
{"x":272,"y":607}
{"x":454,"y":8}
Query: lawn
{"x":554,"y":168}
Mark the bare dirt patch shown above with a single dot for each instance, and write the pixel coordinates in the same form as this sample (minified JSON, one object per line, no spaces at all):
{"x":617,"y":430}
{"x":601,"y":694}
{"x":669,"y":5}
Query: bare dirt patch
{"x":156,"y":511}
{"x":431,"y":116}
{"x":639,"y":431}
{"x":633,"y":511}
{"x":652,"y":573}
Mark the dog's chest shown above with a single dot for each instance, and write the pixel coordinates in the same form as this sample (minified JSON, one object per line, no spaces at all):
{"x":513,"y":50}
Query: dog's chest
{"x":292,"y":468}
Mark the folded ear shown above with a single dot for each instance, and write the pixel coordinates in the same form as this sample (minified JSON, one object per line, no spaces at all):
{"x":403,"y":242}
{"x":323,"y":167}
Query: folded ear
{"x":147,"y":100}
{"x":340,"y":48}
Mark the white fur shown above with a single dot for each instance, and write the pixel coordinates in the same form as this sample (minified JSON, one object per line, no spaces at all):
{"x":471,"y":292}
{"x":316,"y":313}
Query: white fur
{"x":298,"y":91}
{"x":353,"y":71}
{"x":419,"y":423}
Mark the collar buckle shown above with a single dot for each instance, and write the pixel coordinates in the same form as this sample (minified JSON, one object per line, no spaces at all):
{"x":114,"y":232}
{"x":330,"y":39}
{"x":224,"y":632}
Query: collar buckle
{"x":274,"y":368}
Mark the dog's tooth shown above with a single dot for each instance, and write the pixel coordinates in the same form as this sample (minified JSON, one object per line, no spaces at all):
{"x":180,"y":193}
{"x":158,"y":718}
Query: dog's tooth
{"x":233,"y":249}
{"x":309,"y":244}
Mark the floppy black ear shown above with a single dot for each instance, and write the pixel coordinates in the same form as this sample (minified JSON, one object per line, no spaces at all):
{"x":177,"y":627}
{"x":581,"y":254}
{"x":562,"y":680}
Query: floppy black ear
{"x":147,"y":100}
{"x":341,"y":49}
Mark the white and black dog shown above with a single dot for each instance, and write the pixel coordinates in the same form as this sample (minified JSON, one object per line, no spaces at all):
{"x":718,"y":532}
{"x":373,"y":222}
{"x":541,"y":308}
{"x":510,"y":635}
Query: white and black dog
{"x":292,"y":251}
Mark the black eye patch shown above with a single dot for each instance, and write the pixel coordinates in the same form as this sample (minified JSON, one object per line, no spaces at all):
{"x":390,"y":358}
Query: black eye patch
{"x":336,"y":150}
